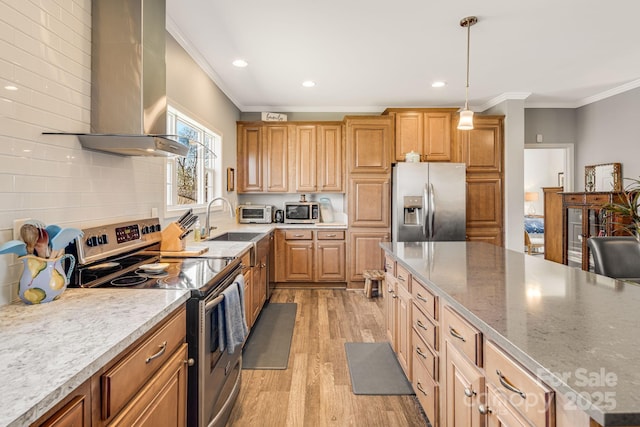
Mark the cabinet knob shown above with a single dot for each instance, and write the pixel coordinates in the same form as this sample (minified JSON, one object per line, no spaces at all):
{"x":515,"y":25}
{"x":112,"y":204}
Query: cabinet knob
{"x":484,"y":410}
{"x":468,"y":392}
{"x":190,"y":361}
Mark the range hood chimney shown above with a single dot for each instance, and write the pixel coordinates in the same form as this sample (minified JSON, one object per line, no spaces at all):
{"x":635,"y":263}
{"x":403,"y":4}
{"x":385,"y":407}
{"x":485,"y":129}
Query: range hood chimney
{"x":128,"y":80}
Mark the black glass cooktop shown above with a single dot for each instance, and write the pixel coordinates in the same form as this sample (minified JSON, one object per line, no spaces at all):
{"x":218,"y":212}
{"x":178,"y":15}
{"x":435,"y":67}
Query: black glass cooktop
{"x":181,"y":273}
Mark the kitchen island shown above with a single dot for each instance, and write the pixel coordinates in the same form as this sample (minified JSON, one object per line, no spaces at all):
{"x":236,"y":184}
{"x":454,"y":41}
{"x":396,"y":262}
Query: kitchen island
{"x":575,"y":331}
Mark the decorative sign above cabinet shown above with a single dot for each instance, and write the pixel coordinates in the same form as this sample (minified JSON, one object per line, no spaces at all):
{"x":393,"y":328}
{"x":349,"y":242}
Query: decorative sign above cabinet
{"x":274,"y":117}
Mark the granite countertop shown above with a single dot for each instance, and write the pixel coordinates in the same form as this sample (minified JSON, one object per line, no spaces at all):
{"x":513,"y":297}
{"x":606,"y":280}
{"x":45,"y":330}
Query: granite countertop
{"x":50,"y":349}
{"x":577,"y":331}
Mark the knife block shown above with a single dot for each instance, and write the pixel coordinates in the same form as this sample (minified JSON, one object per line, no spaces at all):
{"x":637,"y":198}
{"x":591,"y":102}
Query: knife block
{"x":171,"y":241}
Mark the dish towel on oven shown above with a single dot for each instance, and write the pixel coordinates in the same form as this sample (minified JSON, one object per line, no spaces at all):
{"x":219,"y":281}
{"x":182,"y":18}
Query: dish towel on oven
{"x":232,"y":324}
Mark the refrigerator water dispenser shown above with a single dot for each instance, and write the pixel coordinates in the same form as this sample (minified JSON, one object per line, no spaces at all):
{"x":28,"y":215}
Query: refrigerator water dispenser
{"x":412,"y":210}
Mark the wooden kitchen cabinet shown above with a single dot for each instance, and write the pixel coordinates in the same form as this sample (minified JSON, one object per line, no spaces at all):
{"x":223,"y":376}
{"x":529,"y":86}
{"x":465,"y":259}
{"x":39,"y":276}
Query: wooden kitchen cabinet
{"x":73,"y":411}
{"x":249,"y":158}
{"x":259,"y":283}
{"x":247,"y":273}
{"x":330,"y":248}
{"x":553,"y":223}
{"x":391,"y":309}
{"x":425,"y":131}
{"x":369,"y":142}
{"x":464,"y":388}
{"x":263,"y":155}
{"x":146,"y":385}
{"x":365,"y":252}
{"x":369,"y":201}
{"x":276,"y":155}
{"x":404,"y":336}
{"x":318,"y":154}
{"x":310,"y":256}
{"x":312,"y":151}
{"x":482,"y":150}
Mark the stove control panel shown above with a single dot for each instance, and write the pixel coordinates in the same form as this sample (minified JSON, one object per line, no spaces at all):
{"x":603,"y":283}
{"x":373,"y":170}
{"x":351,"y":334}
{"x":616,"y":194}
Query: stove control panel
{"x":112,"y":239}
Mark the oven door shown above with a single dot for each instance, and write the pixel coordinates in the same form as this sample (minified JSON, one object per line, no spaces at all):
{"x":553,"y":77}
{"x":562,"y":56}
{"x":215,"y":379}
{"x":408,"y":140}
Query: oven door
{"x":218,"y":371}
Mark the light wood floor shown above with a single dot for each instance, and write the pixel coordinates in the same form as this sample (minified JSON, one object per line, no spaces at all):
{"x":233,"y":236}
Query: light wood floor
{"x":315,"y":389}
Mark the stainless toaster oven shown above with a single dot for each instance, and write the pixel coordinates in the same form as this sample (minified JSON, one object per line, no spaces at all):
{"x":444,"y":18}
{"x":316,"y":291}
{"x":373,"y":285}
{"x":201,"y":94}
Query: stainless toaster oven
{"x":255,"y":214}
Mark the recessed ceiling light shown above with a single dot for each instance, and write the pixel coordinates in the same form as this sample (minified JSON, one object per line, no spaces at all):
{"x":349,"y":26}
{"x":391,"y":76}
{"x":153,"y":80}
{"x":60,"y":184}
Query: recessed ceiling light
{"x":11,"y":87}
{"x":438,"y":84}
{"x":240,"y":63}
{"x":308,"y":83}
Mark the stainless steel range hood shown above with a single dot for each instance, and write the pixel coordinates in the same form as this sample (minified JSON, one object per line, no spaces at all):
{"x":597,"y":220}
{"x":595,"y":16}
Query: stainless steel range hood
{"x":128,"y":80}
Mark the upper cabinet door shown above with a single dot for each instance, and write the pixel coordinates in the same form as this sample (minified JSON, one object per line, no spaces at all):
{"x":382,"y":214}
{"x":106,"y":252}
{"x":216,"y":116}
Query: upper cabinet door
{"x":481,"y":148}
{"x":425,"y":131}
{"x":330,"y":159}
{"x":409,"y":133}
{"x":369,"y":144}
{"x":305,"y":155}
{"x":276,"y":158}
{"x":249,"y":158}
{"x":437,"y":137}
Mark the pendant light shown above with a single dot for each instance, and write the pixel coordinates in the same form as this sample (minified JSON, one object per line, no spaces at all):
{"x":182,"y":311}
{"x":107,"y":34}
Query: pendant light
{"x":466,"y":115}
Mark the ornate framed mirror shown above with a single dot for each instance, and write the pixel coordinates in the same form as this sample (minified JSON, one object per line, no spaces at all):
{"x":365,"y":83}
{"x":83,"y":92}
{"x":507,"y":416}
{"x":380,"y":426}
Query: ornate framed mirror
{"x":603,"y":177}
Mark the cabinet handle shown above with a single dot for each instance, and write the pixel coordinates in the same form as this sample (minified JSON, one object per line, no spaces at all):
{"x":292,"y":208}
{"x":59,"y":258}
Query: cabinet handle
{"x":330,"y":235}
{"x":190,"y":361}
{"x":421,"y":325}
{"x":421,"y":298}
{"x":394,"y":295}
{"x":401,"y":278}
{"x":455,"y":333}
{"x":298,"y":235}
{"x":419,"y":387}
{"x":468,"y":392}
{"x":263,"y":265}
{"x":506,"y":384}
{"x":163,"y":348}
{"x":419,"y":351}
{"x":484,"y":410}
{"x":390,"y":290}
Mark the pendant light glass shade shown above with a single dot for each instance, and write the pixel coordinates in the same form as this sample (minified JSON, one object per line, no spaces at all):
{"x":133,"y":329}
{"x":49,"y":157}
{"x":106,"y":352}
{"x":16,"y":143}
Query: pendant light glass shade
{"x":466,"y":120}
{"x":466,"y":115}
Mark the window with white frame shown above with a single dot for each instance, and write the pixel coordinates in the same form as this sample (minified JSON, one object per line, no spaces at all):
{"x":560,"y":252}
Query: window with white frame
{"x":197,"y":178}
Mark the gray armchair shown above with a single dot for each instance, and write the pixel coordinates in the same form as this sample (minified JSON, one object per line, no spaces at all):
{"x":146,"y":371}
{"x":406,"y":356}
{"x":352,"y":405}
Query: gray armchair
{"x":616,"y":256}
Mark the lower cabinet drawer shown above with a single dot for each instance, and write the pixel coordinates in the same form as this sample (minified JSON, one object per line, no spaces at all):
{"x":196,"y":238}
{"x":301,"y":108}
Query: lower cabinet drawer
{"x":425,"y":327}
{"x":423,"y":354}
{"x":298,"y":235}
{"x":530,"y":396}
{"x":427,"y":391}
{"x":462,"y":335}
{"x":424,"y":298}
{"x":120,"y":383}
{"x":330,"y":235}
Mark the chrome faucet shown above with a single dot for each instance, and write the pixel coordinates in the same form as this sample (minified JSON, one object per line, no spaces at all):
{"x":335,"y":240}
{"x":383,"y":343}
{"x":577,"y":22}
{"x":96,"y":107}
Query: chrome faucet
{"x":231,"y":212}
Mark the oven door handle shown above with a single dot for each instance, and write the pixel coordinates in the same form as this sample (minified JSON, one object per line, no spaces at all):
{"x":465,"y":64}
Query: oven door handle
{"x":211,"y":304}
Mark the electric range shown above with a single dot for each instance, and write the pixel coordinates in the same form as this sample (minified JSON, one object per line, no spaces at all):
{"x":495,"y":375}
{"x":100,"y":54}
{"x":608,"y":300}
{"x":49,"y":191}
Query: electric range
{"x":114,"y":256}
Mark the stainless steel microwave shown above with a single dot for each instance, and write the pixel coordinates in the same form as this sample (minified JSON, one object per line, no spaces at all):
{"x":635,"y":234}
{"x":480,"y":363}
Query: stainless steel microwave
{"x":301,"y":212}
{"x":255,"y":214}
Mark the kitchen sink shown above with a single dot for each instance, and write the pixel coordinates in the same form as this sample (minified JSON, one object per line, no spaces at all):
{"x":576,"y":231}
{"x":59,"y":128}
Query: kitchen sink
{"x":237,"y":236}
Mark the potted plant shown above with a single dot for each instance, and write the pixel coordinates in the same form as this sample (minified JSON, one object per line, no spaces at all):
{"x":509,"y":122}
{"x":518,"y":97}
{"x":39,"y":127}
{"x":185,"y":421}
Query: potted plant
{"x":626,"y":209}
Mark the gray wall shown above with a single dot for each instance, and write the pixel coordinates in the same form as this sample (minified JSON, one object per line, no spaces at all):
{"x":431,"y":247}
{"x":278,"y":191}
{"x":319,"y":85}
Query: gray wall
{"x":556,"y":125}
{"x":607,"y":132}
{"x":191,"y":91}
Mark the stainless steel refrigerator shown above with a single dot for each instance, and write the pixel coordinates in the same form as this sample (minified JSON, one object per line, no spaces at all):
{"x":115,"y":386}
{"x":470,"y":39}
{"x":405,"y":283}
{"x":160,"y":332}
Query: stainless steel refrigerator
{"x":428,"y":202}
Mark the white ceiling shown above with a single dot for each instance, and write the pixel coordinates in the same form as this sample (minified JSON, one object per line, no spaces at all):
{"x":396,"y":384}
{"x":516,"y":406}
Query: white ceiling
{"x":367,"y":55}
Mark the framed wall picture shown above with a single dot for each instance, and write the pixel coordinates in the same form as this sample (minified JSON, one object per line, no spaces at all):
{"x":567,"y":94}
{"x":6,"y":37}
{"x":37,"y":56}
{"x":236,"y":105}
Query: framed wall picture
{"x":231,"y":179}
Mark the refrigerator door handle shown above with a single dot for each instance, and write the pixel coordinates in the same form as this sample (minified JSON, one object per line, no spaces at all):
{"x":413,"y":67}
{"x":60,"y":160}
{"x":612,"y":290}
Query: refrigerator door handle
{"x":432,"y":210}
{"x":425,"y":209}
